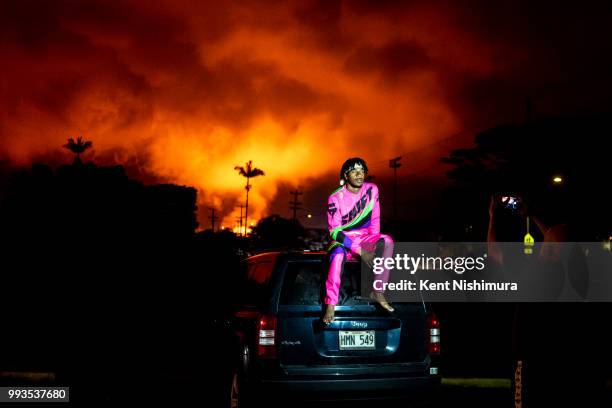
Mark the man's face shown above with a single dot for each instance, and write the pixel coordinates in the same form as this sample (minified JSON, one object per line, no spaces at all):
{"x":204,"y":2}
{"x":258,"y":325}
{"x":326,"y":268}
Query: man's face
{"x":355,"y":177}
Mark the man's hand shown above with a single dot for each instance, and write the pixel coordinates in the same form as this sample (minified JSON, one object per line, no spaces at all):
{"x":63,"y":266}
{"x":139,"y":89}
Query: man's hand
{"x":492,"y":204}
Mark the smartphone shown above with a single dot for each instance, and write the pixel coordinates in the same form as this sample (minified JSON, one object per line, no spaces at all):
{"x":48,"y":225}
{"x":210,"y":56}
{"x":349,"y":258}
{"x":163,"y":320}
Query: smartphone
{"x":510,"y":202}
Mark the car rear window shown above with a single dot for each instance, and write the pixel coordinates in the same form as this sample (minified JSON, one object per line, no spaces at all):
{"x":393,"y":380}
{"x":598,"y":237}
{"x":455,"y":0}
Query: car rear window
{"x":304,"y":283}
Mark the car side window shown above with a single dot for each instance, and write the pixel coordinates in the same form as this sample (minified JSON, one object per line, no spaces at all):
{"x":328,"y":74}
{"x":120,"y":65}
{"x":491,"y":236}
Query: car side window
{"x":255,"y":288}
{"x":260,"y":272}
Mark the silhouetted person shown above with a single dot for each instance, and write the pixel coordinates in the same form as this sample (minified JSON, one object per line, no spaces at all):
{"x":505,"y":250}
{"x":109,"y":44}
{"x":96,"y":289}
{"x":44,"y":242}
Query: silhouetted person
{"x":551,"y":341}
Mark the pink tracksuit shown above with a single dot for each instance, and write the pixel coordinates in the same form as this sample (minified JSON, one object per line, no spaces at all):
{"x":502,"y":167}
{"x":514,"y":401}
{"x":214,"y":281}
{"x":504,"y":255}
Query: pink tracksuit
{"x":354,"y":225}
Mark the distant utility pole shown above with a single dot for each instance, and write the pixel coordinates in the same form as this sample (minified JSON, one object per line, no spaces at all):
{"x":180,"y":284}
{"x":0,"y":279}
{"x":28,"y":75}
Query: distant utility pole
{"x":240,"y":230}
{"x":213,"y":218}
{"x":395,"y":164}
{"x":295,"y":204}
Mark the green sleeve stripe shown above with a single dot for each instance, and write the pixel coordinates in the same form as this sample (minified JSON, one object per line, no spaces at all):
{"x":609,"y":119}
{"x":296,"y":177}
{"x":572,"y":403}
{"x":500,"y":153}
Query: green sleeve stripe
{"x":333,"y":245}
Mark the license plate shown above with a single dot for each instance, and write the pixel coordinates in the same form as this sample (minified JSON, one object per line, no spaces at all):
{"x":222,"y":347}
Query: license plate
{"x":357,"y":340}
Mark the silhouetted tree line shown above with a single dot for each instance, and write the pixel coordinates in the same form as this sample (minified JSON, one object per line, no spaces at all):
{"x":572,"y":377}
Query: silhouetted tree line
{"x":523,"y":158}
{"x":98,"y":269}
{"x":277,"y":233}
{"x":83,"y":204}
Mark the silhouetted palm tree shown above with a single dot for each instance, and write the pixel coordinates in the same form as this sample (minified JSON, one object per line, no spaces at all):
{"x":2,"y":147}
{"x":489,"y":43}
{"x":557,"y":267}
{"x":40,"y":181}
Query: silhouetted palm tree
{"x":249,"y":172}
{"x":78,"y":147}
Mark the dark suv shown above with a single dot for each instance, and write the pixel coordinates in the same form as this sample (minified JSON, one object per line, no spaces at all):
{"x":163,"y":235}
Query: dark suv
{"x":278,"y":345}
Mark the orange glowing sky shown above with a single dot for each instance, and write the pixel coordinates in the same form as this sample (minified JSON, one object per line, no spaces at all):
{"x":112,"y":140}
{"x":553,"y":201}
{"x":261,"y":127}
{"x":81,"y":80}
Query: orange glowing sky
{"x":186,"y":90}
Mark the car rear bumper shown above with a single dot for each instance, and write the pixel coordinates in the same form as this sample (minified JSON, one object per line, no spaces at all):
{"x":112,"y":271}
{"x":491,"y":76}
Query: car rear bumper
{"x":362,"y":388}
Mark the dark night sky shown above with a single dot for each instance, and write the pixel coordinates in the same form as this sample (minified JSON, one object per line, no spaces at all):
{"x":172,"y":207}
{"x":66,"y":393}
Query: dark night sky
{"x":184,"y":91}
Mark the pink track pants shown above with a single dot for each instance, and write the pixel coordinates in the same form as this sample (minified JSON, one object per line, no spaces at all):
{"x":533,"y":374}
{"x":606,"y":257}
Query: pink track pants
{"x":340,"y":254}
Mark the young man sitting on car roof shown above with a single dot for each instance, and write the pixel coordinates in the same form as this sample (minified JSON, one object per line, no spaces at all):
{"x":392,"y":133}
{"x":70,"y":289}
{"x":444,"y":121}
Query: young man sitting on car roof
{"x":353,"y":217}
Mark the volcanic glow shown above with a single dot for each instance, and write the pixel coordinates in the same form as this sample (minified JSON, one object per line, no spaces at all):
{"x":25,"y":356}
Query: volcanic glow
{"x":185,"y":91}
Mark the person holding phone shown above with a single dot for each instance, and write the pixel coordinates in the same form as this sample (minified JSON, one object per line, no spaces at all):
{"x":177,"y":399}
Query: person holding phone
{"x":551,"y":372}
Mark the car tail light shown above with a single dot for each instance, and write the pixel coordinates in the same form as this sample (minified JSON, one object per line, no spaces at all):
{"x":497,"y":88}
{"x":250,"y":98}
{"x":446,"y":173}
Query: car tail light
{"x":266,"y":337}
{"x":433,"y":332}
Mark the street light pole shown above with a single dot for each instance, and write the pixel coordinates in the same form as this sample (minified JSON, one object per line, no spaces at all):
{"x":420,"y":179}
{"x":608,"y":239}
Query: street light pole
{"x":395,"y":164}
